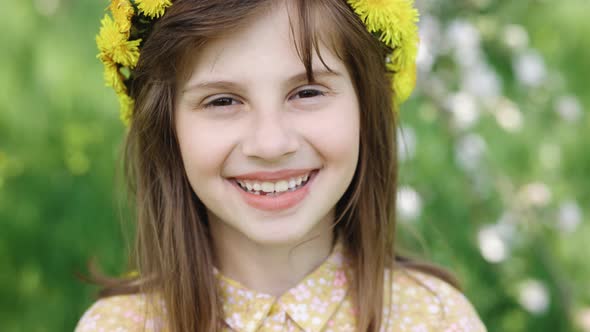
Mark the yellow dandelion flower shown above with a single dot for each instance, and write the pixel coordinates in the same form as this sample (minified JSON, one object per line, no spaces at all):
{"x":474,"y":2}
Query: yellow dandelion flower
{"x":395,"y":22}
{"x":109,"y":35}
{"x":404,"y":83}
{"x":127,"y":104}
{"x":404,"y":55}
{"x":128,"y":53}
{"x":113,"y":77}
{"x":122,"y":11}
{"x":153,"y":8}
{"x":394,"y":19}
{"x":114,"y":45}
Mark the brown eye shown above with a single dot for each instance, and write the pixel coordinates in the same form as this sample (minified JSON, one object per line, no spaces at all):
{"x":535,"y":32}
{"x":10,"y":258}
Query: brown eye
{"x":222,"y":102}
{"x":309,"y":93}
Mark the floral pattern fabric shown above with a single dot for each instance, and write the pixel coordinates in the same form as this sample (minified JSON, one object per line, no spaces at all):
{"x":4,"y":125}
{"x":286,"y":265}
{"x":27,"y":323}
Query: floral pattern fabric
{"x":413,"y":302}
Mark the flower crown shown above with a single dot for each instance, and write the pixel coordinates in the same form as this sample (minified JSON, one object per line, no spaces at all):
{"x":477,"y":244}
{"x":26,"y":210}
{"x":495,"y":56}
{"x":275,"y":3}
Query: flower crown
{"x":120,"y":39}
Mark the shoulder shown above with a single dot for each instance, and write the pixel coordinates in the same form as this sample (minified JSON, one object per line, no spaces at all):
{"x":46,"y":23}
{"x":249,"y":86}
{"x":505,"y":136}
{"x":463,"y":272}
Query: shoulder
{"x":121,"y":313}
{"x":423,"y":301}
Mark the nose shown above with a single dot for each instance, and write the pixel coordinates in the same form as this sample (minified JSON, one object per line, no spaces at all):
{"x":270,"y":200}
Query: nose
{"x":270,"y":137}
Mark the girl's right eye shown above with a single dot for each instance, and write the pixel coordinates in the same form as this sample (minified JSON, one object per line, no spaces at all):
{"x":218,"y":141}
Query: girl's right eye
{"x":222,"y":102}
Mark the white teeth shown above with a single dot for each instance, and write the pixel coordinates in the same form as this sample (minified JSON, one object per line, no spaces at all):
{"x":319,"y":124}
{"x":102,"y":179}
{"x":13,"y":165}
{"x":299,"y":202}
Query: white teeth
{"x":271,"y":188}
{"x":281,"y":186}
{"x":268,"y":187}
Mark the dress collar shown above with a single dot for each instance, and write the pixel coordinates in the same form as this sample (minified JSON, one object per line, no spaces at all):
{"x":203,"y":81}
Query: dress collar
{"x":321,"y":293}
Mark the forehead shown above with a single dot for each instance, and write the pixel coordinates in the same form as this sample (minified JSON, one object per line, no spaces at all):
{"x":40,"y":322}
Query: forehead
{"x":266,"y":45}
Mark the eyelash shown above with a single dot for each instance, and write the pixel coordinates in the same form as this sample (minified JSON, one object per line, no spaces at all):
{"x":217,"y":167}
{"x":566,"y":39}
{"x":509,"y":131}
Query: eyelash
{"x":213,"y":102}
{"x":315,"y":92}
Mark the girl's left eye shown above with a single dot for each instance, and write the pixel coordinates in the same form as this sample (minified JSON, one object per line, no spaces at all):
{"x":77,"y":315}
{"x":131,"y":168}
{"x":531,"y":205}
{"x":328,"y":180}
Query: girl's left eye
{"x":308,"y":93}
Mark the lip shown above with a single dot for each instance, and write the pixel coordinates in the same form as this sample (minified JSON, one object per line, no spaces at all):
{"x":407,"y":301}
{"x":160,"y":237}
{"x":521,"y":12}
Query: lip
{"x":274,"y":176}
{"x":276,"y":203}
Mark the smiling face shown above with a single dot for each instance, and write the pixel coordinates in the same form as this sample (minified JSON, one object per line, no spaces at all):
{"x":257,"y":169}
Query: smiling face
{"x":267,"y":152}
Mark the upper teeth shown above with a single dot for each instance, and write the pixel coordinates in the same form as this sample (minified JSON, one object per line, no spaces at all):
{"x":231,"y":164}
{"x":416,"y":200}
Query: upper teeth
{"x":270,"y":187}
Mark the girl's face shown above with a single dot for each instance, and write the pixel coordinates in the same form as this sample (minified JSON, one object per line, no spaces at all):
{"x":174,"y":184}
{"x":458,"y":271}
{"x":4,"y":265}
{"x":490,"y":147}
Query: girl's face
{"x":267,"y":152}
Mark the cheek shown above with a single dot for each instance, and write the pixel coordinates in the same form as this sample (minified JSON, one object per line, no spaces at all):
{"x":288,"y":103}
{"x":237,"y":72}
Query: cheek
{"x":203,"y":148}
{"x":335,"y":134}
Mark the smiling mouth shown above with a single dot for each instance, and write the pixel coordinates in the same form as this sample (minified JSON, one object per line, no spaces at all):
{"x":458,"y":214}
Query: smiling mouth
{"x":275,"y":188}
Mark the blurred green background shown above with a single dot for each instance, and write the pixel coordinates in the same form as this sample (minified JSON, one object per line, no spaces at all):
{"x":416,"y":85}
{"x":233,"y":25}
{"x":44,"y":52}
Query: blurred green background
{"x":494,"y":172}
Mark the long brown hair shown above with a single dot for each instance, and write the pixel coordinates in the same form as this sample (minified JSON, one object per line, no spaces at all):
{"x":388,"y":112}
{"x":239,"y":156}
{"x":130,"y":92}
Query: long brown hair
{"x":173,"y":246}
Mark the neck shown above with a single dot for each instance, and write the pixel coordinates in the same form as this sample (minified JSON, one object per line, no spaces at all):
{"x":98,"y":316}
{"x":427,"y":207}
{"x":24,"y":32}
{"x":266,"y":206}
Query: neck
{"x":270,"y":268}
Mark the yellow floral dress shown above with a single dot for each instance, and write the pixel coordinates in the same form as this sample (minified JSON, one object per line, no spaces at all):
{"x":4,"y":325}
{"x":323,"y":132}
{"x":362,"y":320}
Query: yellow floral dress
{"x":320,"y":302}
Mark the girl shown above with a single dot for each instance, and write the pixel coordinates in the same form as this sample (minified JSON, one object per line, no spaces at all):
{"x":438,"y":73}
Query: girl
{"x":261,"y":155}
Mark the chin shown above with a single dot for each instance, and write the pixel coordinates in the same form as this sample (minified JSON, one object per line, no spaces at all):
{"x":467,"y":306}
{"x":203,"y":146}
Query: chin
{"x":280,"y":233}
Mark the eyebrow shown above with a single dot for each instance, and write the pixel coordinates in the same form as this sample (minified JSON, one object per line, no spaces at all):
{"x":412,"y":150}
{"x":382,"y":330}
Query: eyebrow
{"x":299,"y":77}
